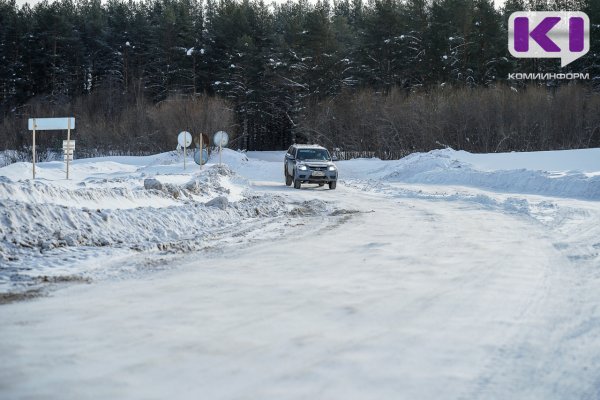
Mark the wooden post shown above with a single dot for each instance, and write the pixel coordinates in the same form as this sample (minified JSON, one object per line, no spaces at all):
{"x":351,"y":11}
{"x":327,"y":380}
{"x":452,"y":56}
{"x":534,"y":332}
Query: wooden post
{"x":68,"y":144}
{"x":184,"y":151}
{"x":33,"y":148}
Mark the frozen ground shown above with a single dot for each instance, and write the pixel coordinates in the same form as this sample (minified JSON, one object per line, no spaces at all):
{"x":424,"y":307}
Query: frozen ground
{"x":442,"y":275}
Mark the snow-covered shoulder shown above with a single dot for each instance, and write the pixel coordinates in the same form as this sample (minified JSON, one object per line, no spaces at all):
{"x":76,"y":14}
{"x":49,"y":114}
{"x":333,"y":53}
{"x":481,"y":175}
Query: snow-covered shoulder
{"x":566,"y":173}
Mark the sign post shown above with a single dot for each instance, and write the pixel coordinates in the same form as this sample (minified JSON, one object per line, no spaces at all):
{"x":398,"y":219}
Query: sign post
{"x":33,"y":148}
{"x":51,"y":124}
{"x":68,"y":141}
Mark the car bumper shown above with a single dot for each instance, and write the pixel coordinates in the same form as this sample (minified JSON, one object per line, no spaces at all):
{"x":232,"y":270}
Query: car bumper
{"x":309,"y":177}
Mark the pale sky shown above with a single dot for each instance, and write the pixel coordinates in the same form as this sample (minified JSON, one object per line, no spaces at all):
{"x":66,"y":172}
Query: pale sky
{"x":20,"y":2}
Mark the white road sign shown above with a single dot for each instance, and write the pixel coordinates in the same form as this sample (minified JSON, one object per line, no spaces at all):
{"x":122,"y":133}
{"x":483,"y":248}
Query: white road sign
{"x":221,"y":139}
{"x":184,"y":139}
{"x":68,"y":144}
{"x":51,"y":124}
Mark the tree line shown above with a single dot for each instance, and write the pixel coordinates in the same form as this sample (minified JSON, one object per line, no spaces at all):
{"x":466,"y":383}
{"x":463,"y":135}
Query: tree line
{"x":385,"y":76}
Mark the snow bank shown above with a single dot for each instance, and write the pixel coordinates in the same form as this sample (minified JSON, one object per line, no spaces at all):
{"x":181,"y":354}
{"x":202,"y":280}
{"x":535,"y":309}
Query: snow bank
{"x":116,"y":190}
{"x":573,"y":173}
{"x":132,"y":203}
{"x":42,"y":227}
{"x":102,"y":197}
{"x":581,"y":160}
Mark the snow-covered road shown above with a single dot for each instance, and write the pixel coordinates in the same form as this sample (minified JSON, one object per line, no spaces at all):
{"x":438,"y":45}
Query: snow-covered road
{"x":394,"y":291}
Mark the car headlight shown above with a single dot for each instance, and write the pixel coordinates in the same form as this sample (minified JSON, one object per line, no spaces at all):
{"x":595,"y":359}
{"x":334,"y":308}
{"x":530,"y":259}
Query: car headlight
{"x":332,"y":168}
{"x":302,"y":167}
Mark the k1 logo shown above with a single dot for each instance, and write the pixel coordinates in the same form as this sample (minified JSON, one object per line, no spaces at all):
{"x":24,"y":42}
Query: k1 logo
{"x":545,"y":34}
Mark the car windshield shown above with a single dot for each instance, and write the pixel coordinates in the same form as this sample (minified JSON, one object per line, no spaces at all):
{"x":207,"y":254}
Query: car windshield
{"x":313,"y":154}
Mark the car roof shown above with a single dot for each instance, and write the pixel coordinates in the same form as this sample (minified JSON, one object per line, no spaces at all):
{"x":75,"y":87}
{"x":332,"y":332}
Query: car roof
{"x":308,"y":146}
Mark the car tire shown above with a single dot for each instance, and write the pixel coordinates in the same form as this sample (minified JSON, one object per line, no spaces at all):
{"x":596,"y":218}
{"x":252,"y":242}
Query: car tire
{"x":297,"y":184}
{"x":288,"y":180}
{"x":332,"y":185}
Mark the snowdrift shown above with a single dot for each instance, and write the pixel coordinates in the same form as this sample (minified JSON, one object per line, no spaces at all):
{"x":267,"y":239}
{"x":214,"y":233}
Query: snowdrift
{"x":569,"y":173}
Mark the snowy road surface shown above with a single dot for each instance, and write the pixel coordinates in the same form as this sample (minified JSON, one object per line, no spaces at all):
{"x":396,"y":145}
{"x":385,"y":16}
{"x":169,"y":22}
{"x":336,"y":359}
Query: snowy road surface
{"x":391,"y":289}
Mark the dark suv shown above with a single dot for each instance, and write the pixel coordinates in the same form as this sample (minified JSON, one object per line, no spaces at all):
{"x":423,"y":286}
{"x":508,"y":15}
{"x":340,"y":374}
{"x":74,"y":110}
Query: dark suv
{"x":309,"y":163}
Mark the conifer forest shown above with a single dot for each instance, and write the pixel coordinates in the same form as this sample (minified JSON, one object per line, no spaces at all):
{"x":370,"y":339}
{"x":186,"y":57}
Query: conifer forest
{"x":374,"y":78}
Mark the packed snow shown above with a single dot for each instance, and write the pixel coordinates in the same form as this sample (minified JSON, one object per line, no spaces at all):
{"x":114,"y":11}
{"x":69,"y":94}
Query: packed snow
{"x":441,"y":275}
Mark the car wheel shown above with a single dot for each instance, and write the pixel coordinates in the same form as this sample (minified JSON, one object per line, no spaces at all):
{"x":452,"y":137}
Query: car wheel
{"x":332,"y":185}
{"x":288,"y":179}
{"x":297,"y":184}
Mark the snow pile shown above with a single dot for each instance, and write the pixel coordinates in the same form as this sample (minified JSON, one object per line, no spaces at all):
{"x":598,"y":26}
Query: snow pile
{"x":39,"y":216}
{"x":127,"y":190}
{"x":42,"y":227}
{"x":448,"y":167}
{"x":127,"y":203}
{"x":103,"y":197}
